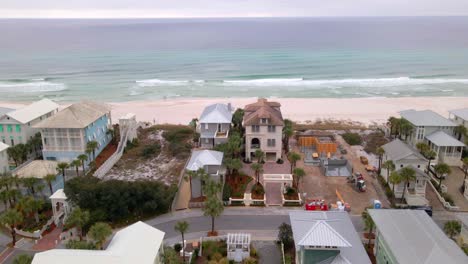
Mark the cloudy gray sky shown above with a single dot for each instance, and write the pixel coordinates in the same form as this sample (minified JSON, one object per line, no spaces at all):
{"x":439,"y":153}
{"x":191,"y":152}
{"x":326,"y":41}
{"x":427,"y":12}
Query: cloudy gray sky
{"x":228,"y":8}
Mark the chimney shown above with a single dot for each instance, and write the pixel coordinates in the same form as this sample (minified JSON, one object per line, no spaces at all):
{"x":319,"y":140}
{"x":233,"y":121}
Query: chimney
{"x":229,"y":106}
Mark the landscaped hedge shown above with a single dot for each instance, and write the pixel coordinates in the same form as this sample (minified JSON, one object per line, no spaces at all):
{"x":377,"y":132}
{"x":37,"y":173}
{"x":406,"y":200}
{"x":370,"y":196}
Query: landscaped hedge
{"x":352,"y":138}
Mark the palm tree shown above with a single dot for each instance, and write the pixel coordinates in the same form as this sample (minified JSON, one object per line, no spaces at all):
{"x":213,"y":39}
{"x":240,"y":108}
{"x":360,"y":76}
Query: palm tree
{"x":299,"y":173}
{"x":82,"y":158}
{"x":31,"y":184}
{"x":257,"y":168}
{"x":76,"y":163}
{"x":92,"y":145}
{"x":441,"y":169}
{"x":4,"y":198}
{"x":393,"y":122}
{"x":422,"y":147}
{"x":394,"y":179}
{"x":213,"y":208}
{"x":49,"y":178}
{"x":452,"y":228}
{"x":99,"y":232}
{"x":193,"y":123}
{"x":380,"y":152}
{"x":12,"y":218}
{"x":233,"y":165}
{"x":78,"y":218}
{"x":407,"y":175}
{"x":368,"y":225}
{"x":28,"y":205}
{"x":287,"y":133}
{"x":429,"y":155}
{"x":88,"y":152}
{"x":259,"y":154}
{"x":13,"y":194}
{"x":198,"y":174}
{"x":460,"y":131}
{"x":405,"y":128}
{"x":62,"y":166}
{"x":294,"y":158}
{"x":465,"y":170}
{"x":14,"y":155}
{"x":389,"y":166}
{"x":182,"y":227}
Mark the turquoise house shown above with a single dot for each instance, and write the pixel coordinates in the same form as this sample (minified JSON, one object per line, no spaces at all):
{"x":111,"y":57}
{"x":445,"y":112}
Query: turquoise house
{"x":66,"y":134}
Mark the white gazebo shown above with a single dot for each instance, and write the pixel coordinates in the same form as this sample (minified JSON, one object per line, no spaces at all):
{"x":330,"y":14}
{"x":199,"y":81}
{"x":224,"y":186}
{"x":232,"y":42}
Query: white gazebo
{"x":60,"y":206}
{"x":238,"y":246}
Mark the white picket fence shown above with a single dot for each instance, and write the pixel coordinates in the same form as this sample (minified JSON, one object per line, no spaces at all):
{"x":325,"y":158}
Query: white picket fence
{"x":112,"y":160}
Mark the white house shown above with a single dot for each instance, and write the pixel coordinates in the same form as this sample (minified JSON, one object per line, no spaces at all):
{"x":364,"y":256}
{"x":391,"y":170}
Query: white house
{"x":17,"y":126}
{"x":211,"y":162}
{"x":214,"y":124}
{"x":137,"y":243}
{"x":459,"y":117}
{"x":4,"y":167}
{"x":437,"y":131}
{"x":402,"y":156}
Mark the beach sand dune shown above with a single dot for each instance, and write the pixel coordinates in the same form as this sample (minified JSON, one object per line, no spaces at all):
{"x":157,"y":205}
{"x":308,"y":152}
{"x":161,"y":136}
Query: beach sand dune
{"x":365,"y":110}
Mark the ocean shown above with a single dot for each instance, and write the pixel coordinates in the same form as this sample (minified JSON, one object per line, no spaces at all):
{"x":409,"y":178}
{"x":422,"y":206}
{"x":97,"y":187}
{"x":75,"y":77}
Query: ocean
{"x":148,"y":59}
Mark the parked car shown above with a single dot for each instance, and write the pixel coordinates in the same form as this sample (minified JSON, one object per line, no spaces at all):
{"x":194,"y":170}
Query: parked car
{"x":364,"y":160}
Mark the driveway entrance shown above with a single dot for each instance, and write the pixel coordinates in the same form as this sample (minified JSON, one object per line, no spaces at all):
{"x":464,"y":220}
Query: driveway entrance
{"x":273,"y":184}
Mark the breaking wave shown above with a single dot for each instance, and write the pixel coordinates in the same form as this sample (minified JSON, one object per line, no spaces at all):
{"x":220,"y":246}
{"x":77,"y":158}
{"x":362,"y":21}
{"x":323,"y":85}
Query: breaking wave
{"x":38,"y":85}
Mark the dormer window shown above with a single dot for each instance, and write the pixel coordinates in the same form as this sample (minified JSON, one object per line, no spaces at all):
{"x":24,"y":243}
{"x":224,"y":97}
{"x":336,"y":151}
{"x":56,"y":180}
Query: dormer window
{"x":264,"y":120}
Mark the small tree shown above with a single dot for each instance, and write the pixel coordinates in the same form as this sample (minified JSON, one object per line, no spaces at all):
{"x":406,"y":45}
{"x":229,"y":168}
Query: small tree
{"x":182,"y":227}
{"x":422,"y":147}
{"x":62,"y":166}
{"x":76,"y":163}
{"x":92,"y":145}
{"x":31,"y":184}
{"x":298,"y":174}
{"x":233,"y":165}
{"x":394,"y":179}
{"x":441,"y":169}
{"x":99,"y":232}
{"x":259,"y":154}
{"x":294,"y":158}
{"x":213,"y":208}
{"x":12,"y":218}
{"x":28,"y":205}
{"x":429,"y":155}
{"x":368,"y":225}
{"x":389,"y":166}
{"x":83,"y":158}
{"x":452,"y":228}
{"x":49,"y":178}
{"x":23,"y":259}
{"x":407,"y":175}
{"x":78,"y":218}
{"x":380,"y":152}
{"x":285,"y":235}
{"x":257,"y":168}
{"x":460,"y":131}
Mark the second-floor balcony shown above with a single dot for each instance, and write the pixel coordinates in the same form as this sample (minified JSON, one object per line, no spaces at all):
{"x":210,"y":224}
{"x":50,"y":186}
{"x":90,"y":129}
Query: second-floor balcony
{"x":222,"y":134}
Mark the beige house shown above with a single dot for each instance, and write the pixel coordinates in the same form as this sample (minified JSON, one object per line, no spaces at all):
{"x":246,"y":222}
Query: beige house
{"x":4,"y":167}
{"x":17,"y":126}
{"x":263,"y":124}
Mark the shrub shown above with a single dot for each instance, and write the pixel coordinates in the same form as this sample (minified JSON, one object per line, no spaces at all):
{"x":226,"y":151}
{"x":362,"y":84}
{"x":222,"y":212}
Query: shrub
{"x":352,"y":138}
{"x":258,"y":189}
{"x":285,"y":235}
{"x":290,"y":190}
{"x":287,"y":259}
{"x":226,"y":192}
{"x":253,"y":252}
{"x":73,"y":244}
{"x":448,"y":198}
{"x":180,"y":150}
{"x":151,"y":150}
{"x":194,"y":256}
{"x":279,"y":161}
{"x":177,"y":247}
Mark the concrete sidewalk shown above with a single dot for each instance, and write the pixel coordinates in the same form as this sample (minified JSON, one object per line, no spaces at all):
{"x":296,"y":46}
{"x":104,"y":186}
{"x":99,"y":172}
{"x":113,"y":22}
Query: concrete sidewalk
{"x":257,"y":235}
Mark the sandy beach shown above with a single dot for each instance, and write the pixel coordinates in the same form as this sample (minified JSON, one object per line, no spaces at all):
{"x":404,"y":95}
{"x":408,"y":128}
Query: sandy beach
{"x":365,"y":110}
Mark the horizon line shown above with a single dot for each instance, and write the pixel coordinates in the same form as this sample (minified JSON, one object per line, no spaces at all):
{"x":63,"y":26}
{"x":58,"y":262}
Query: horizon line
{"x":233,"y":17}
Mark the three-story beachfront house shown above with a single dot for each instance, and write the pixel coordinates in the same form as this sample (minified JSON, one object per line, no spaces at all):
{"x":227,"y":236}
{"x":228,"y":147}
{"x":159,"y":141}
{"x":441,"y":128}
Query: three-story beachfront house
{"x":4,"y":166}
{"x":214,"y":124}
{"x":263,"y":124}
{"x":17,"y":126}
{"x":402,"y":156}
{"x":65,"y":135}
{"x":437,"y":131}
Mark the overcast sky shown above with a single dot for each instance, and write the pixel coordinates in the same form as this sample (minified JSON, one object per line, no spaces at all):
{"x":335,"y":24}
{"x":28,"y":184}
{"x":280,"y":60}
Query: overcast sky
{"x":227,"y":8}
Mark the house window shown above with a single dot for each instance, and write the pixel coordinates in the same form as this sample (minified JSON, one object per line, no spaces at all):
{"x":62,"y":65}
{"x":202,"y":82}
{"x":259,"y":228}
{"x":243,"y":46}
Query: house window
{"x":18,"y":128}
{"x":255,"y":128}
{"x":205,"y":125}
{"x":271,"y":142}
{"x":271,"y":129}
{"x":401,"y":166}
{"x":9,"y":128}
{"x":264,"y":120}
{"x":419,"y":166}
{"x":1,"y":128}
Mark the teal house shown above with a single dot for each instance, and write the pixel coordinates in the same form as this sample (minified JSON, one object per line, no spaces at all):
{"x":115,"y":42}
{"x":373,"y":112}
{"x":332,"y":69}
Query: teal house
{"x":411,"y":236}
{"x":66,"y":134}
{"x":326,"y":238}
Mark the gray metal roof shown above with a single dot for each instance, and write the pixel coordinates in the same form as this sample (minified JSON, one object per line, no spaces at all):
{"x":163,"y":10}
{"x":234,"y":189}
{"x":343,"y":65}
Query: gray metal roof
{"x":398,"y":150}
{"x":440,"y":138}
{"x":462,"y":113}
{"x":414,"y":238}
{"x":426,"y":118}
{"x":4,"y":110}
{"x":201,"y":158}
{"x":303,"y":221}
{"x":217,"y":113}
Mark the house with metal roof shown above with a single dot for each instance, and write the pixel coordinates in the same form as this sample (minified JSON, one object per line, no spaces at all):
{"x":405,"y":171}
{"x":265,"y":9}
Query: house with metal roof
{"x":459,"y":117}
{"x":403,"y":155}
{"x":214,"y":124}
{"x":137,"y":243}
{"x":17,"y":126}
{"x":411,"y":236}
{"x":437,"y":131}
{"x":263,"y":123}
{"x":66,"y":134}
{"x":326,"y":237}
{"x":211,"y":162}
{"x":4,"y":165}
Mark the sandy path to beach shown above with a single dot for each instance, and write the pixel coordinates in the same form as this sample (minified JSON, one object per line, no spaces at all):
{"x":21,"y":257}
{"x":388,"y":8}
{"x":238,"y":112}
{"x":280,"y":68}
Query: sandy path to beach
{"x":366,"y":110}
